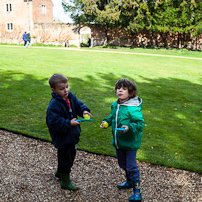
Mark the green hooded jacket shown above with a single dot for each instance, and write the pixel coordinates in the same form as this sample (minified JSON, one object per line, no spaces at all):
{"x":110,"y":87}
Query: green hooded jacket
{"x":28,"y":37}
{"x":128,"y":113}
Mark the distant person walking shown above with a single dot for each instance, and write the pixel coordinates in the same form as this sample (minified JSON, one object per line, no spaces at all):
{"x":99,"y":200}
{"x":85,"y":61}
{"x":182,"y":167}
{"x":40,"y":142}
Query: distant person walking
{"x":25,"y":38}
{"x":28,"y":37}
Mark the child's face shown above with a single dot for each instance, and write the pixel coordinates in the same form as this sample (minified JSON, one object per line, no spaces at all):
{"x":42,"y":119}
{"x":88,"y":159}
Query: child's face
{"x":122,"y":94}
{"x":61,"y":89}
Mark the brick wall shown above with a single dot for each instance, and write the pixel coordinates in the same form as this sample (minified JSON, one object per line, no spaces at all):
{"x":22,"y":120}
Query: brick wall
{"x":42,"y":11}
{"x":53,"y":33}
{"x":46,"y":33}
{"x":18,"y":15}
{"x":24,"y":13}
{"x":118,"y":37}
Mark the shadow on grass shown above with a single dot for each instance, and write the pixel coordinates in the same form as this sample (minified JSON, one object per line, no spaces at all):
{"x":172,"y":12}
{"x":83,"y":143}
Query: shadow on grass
{"x":171,"y":108}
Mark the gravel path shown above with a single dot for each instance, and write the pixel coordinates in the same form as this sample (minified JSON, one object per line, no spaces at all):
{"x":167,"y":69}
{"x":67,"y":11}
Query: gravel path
{"x":27,"y":168}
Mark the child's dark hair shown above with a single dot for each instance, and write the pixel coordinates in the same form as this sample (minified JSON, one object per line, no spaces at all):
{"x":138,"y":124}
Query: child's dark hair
{"x":132,"y":89}
{"x":57,"y":78}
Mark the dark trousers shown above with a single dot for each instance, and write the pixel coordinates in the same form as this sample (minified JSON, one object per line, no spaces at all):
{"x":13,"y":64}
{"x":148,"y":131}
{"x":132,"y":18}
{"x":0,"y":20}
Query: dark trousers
{"x":127,"y":161}
{"x":66,"y":158}
{"x":25,"y":42}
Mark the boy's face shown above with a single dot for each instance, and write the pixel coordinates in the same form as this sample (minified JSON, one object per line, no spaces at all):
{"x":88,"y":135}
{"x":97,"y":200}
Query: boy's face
{"x":122,"y":94}
{"x":61,"y":89}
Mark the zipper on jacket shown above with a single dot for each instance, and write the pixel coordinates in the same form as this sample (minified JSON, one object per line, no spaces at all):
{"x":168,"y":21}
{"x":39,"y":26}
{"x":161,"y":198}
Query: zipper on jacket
{"x":70,"y":109}
{"x":115,"y":139}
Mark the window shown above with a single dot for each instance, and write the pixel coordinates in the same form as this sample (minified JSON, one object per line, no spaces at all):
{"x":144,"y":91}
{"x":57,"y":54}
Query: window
{"x":8,"y":7}
{"x":9,"y":26}
{"x":43,"y":9}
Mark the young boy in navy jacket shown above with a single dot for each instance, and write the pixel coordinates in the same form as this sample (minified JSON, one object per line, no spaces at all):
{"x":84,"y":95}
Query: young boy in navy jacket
{"x":61,"y":116}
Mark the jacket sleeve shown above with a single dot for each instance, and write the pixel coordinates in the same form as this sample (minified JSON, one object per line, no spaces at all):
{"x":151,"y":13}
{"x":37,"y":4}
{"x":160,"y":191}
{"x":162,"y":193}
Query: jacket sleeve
{"x":108,"y":119}
{"x":137,"y":121}
{"x":55,"y":121}
{"x":80,"y":106}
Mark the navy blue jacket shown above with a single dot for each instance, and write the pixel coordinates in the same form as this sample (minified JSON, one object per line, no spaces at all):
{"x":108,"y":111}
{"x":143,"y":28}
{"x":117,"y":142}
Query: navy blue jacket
{"x":58,"y":117}
{"x":24,"y":37}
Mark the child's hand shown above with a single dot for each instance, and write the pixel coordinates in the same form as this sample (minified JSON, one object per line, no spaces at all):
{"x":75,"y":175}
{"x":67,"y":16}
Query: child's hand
{"x":126,"y":127}
{"x":74,"y":122}
{"x":86,"y":112}
{"x":101,"y":126}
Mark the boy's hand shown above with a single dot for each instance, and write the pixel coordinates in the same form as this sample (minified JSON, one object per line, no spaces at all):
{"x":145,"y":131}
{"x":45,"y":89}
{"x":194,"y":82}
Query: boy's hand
{"x":86,"y":112}
{"x":126,"y":127}
{"x":74,"y":122}
{"x":101,"y":126}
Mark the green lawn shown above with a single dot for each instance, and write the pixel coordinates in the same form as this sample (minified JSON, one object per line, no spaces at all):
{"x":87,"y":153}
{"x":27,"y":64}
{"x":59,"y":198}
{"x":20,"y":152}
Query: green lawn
{"x":171,"y":89}
{"x":159,"y":51}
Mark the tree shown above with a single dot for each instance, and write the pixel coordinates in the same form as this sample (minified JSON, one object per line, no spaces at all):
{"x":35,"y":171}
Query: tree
{"x":106,"y":14}
{"x":163,"y":18}
{"x":94,"y":12}
{"x":134,"y":17}
{"x":184,"y":20}
{"x":175,"y":16}
{"x":160,"y":17}
{"x":197,"y":19}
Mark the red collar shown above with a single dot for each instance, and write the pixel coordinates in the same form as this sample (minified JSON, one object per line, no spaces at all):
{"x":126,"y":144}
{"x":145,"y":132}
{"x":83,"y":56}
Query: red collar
{"x":68,"y":102}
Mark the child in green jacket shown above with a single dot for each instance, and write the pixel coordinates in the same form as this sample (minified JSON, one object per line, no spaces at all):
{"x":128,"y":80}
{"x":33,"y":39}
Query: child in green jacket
{"x":126,"y":113}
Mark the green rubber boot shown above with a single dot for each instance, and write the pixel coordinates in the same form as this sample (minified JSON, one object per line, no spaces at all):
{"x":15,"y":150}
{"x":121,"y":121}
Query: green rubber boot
{"x":57,"y":174}
{"x":66,"y":182}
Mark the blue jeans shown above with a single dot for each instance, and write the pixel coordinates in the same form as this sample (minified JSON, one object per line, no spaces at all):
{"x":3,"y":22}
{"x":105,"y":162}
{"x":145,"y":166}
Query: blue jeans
{"x":127,"y":161}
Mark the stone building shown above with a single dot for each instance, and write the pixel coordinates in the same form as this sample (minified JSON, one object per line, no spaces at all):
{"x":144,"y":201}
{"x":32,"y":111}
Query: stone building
{"x":36,"y":17}
{"x":25,"y":13}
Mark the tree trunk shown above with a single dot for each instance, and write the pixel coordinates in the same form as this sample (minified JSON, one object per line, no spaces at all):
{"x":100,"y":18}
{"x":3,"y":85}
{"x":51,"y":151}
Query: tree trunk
{"x":133,"y":40}
{"x":172,"y":40}
{"x":164,"y":39}
{"x":183,"y":40}
{"x":194,"y":43}
{"x":157,"y":44}
{"x":106,"y":37}
{"x":152,"y":39}
{"x":155,"y":41}
{"x":179,"y":40}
